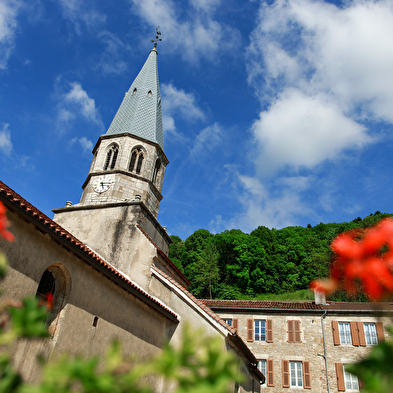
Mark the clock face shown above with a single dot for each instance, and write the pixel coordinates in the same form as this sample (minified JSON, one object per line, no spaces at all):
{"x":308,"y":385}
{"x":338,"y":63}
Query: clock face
{"x":102,"y":184}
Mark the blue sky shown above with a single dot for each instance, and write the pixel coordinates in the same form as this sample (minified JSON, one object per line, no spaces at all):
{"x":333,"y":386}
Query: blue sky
{"x":275,"y":113}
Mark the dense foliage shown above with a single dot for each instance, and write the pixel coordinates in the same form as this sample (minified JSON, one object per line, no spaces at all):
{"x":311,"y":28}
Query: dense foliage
{"x":236,"y":265}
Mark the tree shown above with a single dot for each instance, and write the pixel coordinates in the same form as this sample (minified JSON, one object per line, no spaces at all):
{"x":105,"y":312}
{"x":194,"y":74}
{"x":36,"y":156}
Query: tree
{"x":207,"y":273}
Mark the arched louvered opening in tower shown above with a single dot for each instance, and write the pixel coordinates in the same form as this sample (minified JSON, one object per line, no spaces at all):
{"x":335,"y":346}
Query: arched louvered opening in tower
{"x":136,"y":158}
{"x":111,"y":157}
{"x":156,"y":171}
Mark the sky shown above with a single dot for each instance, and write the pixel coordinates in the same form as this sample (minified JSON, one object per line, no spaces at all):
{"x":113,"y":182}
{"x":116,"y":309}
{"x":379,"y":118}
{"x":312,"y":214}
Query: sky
{"x":276,"y":113}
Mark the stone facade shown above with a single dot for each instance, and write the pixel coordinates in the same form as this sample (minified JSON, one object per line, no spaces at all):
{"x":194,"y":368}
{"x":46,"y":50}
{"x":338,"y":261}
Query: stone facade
{"x":286,"y":341}
{"x":125,"y":184}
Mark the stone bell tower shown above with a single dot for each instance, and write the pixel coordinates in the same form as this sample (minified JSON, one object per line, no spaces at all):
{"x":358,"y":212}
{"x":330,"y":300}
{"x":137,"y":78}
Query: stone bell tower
{"x":123,"y":187}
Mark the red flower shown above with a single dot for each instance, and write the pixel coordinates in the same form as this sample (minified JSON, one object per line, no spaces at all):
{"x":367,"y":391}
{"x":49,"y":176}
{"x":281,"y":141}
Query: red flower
{"x":4,"y":224}
{"x":363,"y":256}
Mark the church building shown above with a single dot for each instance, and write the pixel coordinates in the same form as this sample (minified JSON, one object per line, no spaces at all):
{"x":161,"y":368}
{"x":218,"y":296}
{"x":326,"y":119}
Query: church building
{"x":105,"y":259}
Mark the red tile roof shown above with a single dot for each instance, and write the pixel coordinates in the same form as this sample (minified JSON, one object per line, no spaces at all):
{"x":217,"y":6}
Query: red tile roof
{"x":299,"y":306}
{"x":261,"y":304}
{"x":15,"y":202}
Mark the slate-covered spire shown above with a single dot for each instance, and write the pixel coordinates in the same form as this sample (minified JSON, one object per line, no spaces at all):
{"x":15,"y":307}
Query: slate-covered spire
{"x":140,"y":112}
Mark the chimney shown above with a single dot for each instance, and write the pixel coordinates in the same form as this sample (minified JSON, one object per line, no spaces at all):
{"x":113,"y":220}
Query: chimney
{"x":320,"y":297}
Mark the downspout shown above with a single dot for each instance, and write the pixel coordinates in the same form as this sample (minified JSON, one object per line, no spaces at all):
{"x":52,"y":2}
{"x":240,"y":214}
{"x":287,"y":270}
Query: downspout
{"x":324,"y":350}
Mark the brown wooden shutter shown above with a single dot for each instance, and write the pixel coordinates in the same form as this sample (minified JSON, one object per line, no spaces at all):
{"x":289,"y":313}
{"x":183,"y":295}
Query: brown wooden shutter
{"x":306,"y":371}
{"x":269,"y":331}
{"x":354,"y":333}
{"x":362,"y":337}
{"x":340,"y":377}
{"x":250,"y":330}
{"x":235,"y":323}
{"x":336,"y":334}
{"x":291,"y":335}
{"x":297,"y":332}
{"x":380,"y":333}
{"x":285,"y":373}
{"x":270,"y":381}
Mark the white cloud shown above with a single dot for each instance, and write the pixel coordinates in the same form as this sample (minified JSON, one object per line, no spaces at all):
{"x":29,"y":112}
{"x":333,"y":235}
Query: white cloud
{"x":325,"y":69}
{"x":198,"y":35}
{"x":82,"y":14}
{"x":206,"y":5}
{"x":74,"y":102}
{"x":5,"y":139}
{"x":111,"y":61}
{"x":300,"y":130}
{"x":208,"y":139}
{"x":178,"y":103}
{"x":275,"y":206}
{"x":79,"y":98}
{"x":86,"y":144}
{"x":8,"y":27}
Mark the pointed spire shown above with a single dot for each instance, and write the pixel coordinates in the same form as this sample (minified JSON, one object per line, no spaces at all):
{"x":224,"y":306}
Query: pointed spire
{"x":140,"y":112}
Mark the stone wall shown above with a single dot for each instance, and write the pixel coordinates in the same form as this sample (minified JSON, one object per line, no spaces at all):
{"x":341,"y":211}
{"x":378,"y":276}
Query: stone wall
{"x":310,"y":349}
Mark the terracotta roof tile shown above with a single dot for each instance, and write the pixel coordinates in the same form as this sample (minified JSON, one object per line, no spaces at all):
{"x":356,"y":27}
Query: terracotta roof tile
{"x":261,"y":304}
{"x":276,"y":305}
{"x":52,"y":226}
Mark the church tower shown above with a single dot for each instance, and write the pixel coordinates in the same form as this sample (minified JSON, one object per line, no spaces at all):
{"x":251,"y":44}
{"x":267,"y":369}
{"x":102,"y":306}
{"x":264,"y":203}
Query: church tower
{"x":122,"y":191}
{"x":129,"y":160}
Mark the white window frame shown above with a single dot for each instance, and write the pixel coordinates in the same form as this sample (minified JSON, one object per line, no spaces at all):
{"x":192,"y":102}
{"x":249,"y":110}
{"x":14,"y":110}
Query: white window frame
{"x":370,"y":332}
{"x":344,"y":329}
{"x":259,"y":329}
{"x":262,"y":367}
{"x":296,"y":374}
{"x":351,"y":381}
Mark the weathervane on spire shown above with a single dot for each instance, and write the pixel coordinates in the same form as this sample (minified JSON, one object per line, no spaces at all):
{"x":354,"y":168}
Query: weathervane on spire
{"x":158,"y":33}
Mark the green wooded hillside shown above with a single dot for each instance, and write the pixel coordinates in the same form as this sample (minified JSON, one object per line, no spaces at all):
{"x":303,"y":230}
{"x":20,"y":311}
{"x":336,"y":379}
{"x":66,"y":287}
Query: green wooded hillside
{"x":236,"y":265}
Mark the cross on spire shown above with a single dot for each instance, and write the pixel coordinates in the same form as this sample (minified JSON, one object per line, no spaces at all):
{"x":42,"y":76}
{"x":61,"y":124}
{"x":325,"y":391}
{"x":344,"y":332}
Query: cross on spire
{"x":158,"y":33}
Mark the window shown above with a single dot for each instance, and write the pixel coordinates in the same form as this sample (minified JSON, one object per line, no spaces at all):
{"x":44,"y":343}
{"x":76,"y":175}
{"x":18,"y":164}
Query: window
{"x":136,"y":157}
{"x":296,"y":370}
{"x":370,"y":332}
{"x":345,"y":333}
{"x":54,"y":287}
{"x":351,"y":381}
{"x":294,"y":335}
{"x":296,"y":374}
{"x":262,"y":367}
{"x":266,"y":368}
{"x":156,"y":170}
{"x":228,"y":321}
{"x":111,"y":157}
{"x":260,"y":330}
{"x":263,"y":330}
{"x":357,"y":333}
{"x":345,"y":380}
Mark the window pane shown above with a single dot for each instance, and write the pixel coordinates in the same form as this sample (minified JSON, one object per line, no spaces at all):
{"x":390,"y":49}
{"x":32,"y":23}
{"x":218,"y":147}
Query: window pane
{"x":351,"y":381}
{"x":345,"y":333}
{"x":370,"y":332}
{"x":260,"y":330}
{"x":262,"y":368}
{"x":296,"y":373}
